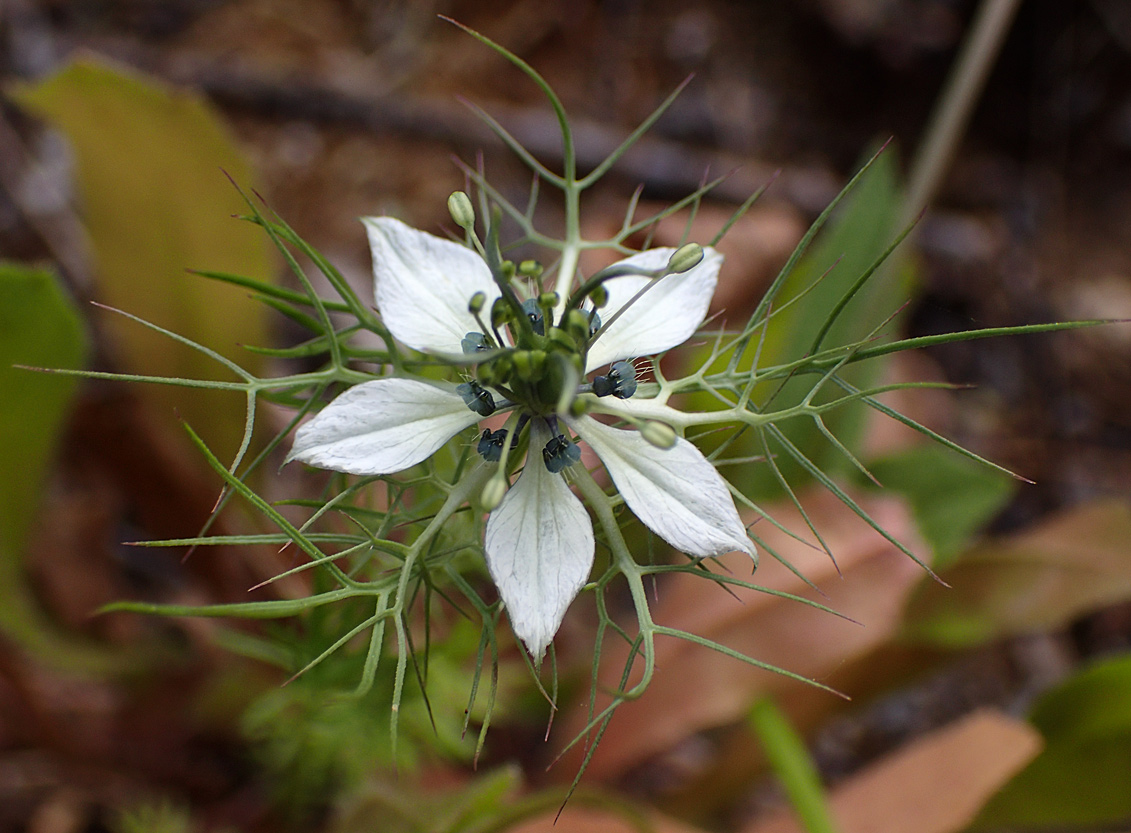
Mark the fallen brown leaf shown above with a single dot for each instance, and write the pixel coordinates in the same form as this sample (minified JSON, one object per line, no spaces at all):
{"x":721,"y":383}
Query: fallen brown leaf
{"x":1041,"y":578}
{"x":934,"y":785}
{"x":695,"y":688}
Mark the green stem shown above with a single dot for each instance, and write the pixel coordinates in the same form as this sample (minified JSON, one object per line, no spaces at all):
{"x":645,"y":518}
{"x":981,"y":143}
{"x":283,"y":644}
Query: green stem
{"x":952,"y":112}
{"x":791,"y":762}
{"x":600,"y":504}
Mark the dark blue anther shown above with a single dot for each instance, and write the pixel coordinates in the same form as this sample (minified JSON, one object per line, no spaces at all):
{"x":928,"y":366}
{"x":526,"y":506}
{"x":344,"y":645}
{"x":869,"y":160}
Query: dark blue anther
{"x":476,"y":397}
{"x":491,"y":444}
{"x":474,"y":343}
{"x":534,"y":313}
{"x":621,"y":381}
{"x":594,"y":323}
{"x":559,"y":453}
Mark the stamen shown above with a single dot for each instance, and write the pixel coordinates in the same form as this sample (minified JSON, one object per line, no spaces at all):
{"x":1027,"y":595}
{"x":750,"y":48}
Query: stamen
{"x":490,"y":445}
{"x":594,"y":323}
{"x":477,"y":398}
{"x":534,"y":313}
{"x":474,"y":343}
{"x":559,"y":453}
{"x":621,"y":381}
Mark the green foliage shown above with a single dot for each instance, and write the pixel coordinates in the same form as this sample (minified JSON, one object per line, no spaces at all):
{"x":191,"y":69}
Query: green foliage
{"x":819,"y":303}
{"x":1080,"y":779}
{"x":151,"y":166}
{"x":155,"y":817}
{"x":952,"y":497}
{"x":478,"y":806}
{"x":383,"y":552}
{"x":791,"y":762}
{"x":39,"y":327}
{"x":319,"y":740}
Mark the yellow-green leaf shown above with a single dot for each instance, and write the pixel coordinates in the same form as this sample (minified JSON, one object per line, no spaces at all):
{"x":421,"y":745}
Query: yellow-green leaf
{"x":151,"y":163}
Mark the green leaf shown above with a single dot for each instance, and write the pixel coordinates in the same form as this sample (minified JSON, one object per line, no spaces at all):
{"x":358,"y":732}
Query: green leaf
{"x":1081,"y":778}
{"x":151,"y":163}
{"x":791,"y":762}
{"x":859,"y":232}
{"x":1036,"y":580}
{"x":951,"y":496}
{"x":38,"y":327}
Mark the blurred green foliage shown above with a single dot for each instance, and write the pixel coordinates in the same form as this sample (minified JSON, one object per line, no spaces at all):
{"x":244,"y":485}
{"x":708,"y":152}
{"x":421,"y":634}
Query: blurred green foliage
{"x":155,"y":201}
{"x":1082,"y":779}
{"x":857,"y":234}
{"x":952,"y":497}
{"x":39,"y":327}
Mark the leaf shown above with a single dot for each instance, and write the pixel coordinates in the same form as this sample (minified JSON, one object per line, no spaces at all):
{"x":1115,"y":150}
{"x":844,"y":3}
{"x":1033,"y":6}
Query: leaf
{"x":1033,"y":581}
{"x":1081,"y":778}
{"x":951,"y":496}
{"x":696,"y":689}
{"x":785,"y":749}
{"x":934,"y":785}
{"x":150,"y":163}
{"x":38,"y":327}
{"x":848,"y":246}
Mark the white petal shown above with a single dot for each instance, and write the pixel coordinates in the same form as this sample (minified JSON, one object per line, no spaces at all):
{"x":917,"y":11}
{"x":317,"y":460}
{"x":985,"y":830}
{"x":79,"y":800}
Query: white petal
{"x":381,"y":427}
{"x":664,"y":316}
{"x":539,"y":547}
{"x":675,"y":492}
{"x":423,"y":284}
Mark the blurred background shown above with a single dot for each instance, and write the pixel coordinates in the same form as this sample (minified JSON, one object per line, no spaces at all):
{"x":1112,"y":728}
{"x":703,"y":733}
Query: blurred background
{"x":119,"y":122}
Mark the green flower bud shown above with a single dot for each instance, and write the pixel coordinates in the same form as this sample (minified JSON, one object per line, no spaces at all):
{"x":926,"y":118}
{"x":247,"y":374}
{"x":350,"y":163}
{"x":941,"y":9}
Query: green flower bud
{"x":599,"y":296}
{"x":577,"y":325}
{"x":530,"y":269}
{"x":495,"y":372}
{"x":500,"y":312}
{"x":685,"y":258}
{"x":459,"y":206}
{"x":658,"y":434}
{"x":493,"y":493}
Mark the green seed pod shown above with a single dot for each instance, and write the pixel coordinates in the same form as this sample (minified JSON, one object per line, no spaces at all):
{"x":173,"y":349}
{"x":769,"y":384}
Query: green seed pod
{"x":561,"y":341}
{"x":658,"y":434}
{"x":529,"y":365}
{"x":577,"y":325}
{"x":500,"y":313}
{"x":493,"y":493}
{"x":459,"y":206}
{"x":685,"y":258}
{"x":530,"y":269}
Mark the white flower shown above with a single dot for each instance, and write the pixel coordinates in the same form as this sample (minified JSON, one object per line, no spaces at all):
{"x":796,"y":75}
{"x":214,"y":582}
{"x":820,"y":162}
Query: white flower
{"x":539,"y":539}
